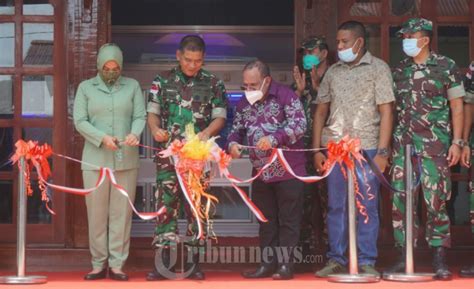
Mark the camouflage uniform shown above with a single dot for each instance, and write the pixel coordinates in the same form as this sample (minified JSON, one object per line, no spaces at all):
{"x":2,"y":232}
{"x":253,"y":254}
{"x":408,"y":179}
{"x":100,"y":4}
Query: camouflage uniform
{"x":179,"y":100}
{"x":423,"y":92}
{"x":469,"y":85}
{"x":315,"y":197}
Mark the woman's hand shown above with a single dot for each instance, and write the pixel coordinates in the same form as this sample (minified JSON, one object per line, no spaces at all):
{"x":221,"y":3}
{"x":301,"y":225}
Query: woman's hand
{"x":131,"y":140}
{"x":109,"y":142}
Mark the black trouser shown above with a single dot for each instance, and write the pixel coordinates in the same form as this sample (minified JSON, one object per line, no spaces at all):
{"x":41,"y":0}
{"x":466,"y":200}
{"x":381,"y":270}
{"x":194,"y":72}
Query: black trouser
{"x":282,"y":204}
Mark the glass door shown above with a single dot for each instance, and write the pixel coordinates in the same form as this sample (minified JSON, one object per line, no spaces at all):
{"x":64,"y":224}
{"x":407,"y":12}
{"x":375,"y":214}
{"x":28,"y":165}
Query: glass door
{"x":32,"y":107}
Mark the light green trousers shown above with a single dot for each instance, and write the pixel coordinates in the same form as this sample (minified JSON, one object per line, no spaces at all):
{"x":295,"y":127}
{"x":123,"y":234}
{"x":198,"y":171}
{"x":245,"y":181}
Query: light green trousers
{"x":110,"y":218}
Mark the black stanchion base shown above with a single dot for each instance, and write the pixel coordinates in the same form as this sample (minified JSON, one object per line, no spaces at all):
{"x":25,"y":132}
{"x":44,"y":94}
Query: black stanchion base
{"x":23,"y":280}
{"x":353,"y":278}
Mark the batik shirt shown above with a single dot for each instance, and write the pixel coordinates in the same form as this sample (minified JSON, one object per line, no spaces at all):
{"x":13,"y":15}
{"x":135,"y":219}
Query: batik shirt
{"x":281,"y":117}
{"x":354,"y":93}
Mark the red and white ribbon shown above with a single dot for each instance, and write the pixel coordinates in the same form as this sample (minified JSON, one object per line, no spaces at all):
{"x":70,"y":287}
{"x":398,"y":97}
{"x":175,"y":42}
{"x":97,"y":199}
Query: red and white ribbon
{"x":103,"y":174}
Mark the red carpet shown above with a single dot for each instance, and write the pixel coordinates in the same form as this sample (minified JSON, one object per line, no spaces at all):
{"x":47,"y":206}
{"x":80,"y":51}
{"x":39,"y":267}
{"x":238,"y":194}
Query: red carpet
{"x":228,"y":281}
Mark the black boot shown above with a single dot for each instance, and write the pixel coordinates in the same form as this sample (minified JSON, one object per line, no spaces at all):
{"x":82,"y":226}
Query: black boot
{"x":196,"y":273}
{"x":161,"y":266}
{"x":263,"y":271}
{"x":439,"y":264}
{"x":399,"y":265}
{"x":467,"y":272}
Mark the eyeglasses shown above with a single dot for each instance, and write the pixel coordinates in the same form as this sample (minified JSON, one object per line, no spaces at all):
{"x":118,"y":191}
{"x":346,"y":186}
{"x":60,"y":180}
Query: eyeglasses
{"x":251,"y":86}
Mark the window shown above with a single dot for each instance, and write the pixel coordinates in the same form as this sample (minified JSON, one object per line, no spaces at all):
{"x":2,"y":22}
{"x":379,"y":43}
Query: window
{"x":30,"y":38}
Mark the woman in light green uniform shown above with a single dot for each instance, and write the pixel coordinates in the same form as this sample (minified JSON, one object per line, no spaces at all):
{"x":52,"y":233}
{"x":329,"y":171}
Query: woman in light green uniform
{"x":109,"y":112}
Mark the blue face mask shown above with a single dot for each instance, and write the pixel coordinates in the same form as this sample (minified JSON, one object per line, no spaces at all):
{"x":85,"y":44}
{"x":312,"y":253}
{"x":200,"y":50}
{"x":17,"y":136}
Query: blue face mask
{"x":310,"y":60}
{"x":347,"y":55}
{"x":410,"y":47}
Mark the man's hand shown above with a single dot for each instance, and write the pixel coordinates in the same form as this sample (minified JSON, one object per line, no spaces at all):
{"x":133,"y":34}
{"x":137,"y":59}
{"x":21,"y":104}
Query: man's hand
{"x":466,"y":156}
{"x":299,"y":80}
{"x":315,"y":79}
{"x":160,"y":135}
{"x":454,"y":154}
{"x":109,"y":142}
{"x":131,"y":140}
{"x":264,"y":143}
{"x":319,"y":160}
{"x":381,"y":162}
{"x":235,"y":151}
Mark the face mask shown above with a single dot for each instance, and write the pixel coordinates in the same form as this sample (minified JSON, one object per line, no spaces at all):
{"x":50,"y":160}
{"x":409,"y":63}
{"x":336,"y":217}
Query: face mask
{"x":254,"y":95}
{"x":347,"y":55}
{"x":110,"y":77}
{"x":310,"y":60}
{"x":410,"y":47}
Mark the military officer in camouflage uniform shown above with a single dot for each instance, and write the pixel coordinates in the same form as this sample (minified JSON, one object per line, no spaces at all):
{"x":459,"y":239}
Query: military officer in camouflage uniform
{"x":467,"y":158}
{"x":186,"y":94}
{"x":314,"y":65}
{"x":428,"y":86}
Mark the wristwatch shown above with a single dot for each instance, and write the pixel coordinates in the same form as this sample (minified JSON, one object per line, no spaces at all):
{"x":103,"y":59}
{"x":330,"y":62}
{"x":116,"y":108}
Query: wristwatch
{"x":383,"y":152}
{"x":459,"y":142}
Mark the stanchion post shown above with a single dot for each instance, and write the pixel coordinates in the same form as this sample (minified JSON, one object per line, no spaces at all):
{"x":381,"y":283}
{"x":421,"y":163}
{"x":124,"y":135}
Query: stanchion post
{"x":354,"y":276}
{"x":409,"y":266}
{"x":351,"y":212}
{"x":20,"y":278}
{"x":409,"y":275}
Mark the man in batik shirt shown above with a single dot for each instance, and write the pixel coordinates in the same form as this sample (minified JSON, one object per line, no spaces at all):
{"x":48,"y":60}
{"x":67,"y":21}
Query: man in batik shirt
{"x":271,"y":116}
{"x":355,"y":99}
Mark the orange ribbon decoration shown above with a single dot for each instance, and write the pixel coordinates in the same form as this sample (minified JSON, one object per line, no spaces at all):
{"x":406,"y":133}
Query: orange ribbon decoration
{"x":347,"y":151}
{"x":36,"y":155}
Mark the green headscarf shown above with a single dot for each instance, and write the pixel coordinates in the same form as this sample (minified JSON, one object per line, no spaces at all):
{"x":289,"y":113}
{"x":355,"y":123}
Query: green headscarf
{"x":107,"y":52}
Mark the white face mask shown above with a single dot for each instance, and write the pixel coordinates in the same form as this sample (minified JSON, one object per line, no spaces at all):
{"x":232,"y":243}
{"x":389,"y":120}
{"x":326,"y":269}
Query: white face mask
{"x":254,"y":95}
{"x":347,"y":55}
{"x":410,"y":47}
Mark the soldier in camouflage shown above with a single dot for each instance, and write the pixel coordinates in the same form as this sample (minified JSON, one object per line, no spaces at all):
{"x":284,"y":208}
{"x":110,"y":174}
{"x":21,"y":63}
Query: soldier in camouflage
{"x":427,"y":87}
{"x":314,"y":65}
{"x":185,"y":94}
{"x":467,"y":157}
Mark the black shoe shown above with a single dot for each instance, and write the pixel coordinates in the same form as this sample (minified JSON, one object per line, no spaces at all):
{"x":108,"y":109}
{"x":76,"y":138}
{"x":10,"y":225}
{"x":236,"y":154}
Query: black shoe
{"x":439,"y":264}
{"x":96,"y":276}
{"x":117,"y":276}
{"x":263,"y":271}
{"x":467,"y":272}
{"x":284,"y":272}
{"x":399,"y":265}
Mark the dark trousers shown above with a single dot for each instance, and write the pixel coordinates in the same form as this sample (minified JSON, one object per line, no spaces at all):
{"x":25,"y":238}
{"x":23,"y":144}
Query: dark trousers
{"x":282,"y":204}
